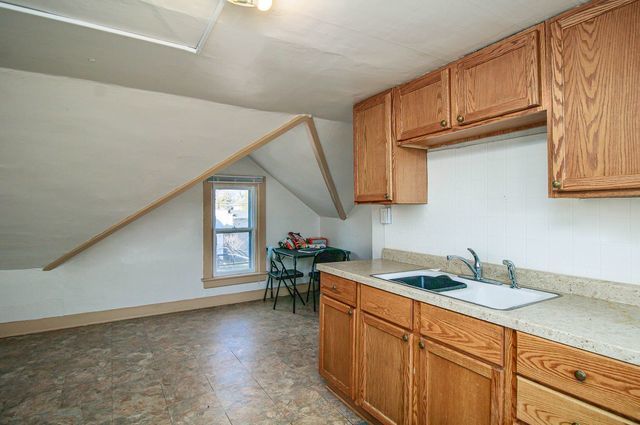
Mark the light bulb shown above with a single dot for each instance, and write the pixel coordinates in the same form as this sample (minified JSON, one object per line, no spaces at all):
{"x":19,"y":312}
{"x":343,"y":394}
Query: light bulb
{"x":264,"y":5}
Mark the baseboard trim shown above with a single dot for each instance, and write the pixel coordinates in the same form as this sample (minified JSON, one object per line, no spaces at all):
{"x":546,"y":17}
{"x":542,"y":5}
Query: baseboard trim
{"x":24,"y":327}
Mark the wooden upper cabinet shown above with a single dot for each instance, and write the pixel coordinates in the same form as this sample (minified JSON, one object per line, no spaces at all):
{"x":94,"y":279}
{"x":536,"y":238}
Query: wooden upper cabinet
{"x":422,"y":106}
{"x":454,"y":388}
{"x":595,"y":125}
{"x":337,"y":344}
{"x":385,"y":371}
{"x":383,"y":171}
{"x":500,"y":79}
{"x":372,"y":144}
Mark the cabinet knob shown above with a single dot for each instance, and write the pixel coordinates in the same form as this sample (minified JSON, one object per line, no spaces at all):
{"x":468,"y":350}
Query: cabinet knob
{"x":334,"y":287}
{"x":443,"y":123}
{"x":575,"y":423}
{"x":421,"y":344}
{"x":557,"y":184}
{"x":460,"y":118}
{"x":580,"y":375}
{"x":405,"y":337}
{"x":386,"y":196}
{"x":350,"y":312}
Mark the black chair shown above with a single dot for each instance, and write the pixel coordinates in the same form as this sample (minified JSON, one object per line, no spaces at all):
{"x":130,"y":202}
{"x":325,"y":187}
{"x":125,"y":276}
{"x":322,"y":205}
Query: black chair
{"x":329,"y":255}
{"x":279,"y":272}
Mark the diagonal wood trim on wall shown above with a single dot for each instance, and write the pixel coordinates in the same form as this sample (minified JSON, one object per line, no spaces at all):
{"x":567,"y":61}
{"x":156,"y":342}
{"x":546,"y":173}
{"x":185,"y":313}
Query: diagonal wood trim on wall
{"x":270,"y":136}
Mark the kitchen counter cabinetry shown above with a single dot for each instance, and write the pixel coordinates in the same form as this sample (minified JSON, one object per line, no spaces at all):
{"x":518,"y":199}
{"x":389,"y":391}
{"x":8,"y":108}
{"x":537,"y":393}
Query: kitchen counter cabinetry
{"x":337,"y":344}
{"x":416,"y":364}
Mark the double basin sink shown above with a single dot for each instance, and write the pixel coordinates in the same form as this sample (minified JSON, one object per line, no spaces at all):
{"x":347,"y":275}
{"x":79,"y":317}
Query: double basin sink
{"x":497,"y":297}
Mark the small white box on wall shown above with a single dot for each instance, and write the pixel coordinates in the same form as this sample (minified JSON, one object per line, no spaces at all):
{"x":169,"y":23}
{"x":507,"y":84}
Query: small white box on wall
{"x":385,"y":215}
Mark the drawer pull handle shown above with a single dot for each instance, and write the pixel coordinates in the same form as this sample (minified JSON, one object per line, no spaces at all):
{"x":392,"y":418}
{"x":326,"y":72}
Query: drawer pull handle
{"x":575,"y":423}
{"x":580,"y":375}
{"x":334,"y":287}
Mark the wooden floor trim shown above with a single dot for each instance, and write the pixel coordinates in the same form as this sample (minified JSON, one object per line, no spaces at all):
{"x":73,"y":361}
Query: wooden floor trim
{"x":270,"y":136}
{"x":24,"y":327}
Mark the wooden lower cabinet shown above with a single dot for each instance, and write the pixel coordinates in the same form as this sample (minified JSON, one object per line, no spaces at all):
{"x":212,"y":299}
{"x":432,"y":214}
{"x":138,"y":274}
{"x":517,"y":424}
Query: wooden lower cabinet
{"x":385,"y":370}
{"x":454,"y":388}
{"x":398,"y":364}
{"x":337,"y":344}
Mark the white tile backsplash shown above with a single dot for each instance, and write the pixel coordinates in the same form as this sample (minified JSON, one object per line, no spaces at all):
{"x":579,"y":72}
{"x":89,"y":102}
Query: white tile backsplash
{"x":493,"y":197}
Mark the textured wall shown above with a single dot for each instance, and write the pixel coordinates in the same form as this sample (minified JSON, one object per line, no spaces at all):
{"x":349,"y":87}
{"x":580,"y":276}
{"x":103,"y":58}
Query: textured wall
{"x":493,"y":197}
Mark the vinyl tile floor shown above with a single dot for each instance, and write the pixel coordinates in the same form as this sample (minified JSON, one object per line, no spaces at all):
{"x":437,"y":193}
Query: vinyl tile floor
{"x":238,"y":364}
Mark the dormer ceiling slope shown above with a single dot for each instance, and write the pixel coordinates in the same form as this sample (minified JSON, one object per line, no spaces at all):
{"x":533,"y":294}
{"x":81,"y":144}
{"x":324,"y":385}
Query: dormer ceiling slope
{"x":312,"y":56}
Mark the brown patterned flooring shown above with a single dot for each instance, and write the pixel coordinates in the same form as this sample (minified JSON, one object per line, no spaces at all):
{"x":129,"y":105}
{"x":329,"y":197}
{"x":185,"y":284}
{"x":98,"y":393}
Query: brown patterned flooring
{"x":239,"y":364}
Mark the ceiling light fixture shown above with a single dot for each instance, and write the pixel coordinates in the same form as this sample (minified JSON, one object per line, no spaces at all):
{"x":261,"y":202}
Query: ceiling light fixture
{"x":262,"y":5}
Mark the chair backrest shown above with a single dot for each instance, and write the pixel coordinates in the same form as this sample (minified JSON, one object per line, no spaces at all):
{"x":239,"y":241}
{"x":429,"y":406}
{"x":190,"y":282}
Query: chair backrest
{"x":276,"y":263}
{"x":330,"y":255}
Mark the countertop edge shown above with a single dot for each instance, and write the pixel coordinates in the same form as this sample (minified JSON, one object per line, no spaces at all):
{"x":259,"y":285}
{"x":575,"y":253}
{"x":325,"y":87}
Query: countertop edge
{"x":499,"y":317}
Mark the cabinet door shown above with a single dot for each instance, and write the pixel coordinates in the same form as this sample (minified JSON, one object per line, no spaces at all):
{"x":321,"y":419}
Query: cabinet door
{"x":372,"y":144}
{"x":595,"y":125}
{"x":385,"y":371}
{"x":421,"y":107}
{"x":457,"y":389}
{"x":498,"y":80}
{"x":337,"y":344}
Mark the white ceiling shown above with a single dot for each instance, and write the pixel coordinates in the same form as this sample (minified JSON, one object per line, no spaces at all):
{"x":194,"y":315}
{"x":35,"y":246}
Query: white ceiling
{"x":291,"y":161}
{"x":304,"y":56}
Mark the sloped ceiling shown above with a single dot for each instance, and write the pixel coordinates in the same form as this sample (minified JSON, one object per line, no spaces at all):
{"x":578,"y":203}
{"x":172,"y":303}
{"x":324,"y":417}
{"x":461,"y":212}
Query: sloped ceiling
{"x":77,"y":156}
{"x":311,"y":56}
{"x":291,"y":161}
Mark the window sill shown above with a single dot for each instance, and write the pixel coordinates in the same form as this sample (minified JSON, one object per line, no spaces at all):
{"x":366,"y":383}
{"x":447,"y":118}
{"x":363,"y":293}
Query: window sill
{"x":216,"y":282}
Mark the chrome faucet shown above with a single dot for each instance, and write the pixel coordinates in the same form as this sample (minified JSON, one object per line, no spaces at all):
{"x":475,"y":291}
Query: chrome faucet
{"x":476,"y":267}
{"x":511,"y":270}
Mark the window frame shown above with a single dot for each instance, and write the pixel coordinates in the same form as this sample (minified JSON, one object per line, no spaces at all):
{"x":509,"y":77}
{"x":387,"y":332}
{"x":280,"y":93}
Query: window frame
{"x":210,"y":279}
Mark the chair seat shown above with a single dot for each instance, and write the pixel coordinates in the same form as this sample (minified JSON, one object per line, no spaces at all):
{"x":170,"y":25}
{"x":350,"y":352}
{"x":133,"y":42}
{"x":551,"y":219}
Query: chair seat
{"x":286,"y":274}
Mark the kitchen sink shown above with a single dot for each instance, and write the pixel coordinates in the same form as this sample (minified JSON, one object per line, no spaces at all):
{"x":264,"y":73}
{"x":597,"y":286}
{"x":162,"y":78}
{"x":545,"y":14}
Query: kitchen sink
{"x":439,"y":283}
{"x":497,"y":297}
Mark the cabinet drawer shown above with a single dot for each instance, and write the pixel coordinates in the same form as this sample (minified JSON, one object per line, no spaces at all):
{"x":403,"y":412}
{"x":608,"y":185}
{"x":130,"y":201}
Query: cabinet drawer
{"x":336,"y":287}
{"x":539,"y":405}
{"x":600,"y":380}
{"x":388,"y":306}
{"x":482,"y":339}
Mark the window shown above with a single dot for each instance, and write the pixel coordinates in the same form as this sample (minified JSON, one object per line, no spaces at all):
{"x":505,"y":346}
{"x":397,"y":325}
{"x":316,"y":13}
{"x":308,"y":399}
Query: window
{"x":234,"y":230}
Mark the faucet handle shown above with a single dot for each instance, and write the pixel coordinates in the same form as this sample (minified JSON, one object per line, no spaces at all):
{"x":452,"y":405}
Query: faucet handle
{"x":511,"y":270}
{"x":476,"y":260}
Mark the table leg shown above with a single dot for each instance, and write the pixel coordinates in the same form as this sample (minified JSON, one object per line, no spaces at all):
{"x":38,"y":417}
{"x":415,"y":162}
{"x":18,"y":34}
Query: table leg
{"x":295,"y":270}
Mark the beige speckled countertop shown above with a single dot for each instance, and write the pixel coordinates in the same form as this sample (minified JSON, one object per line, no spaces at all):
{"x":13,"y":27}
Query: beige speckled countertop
{"x":599,"y":326}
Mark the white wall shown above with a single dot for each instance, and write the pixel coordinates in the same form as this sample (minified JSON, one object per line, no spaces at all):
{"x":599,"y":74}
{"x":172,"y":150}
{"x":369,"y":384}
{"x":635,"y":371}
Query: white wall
{"x":353,"y":234}
{"x":77,"y":156}
{"x":493,"y":197}
{"x":155,"y":259}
